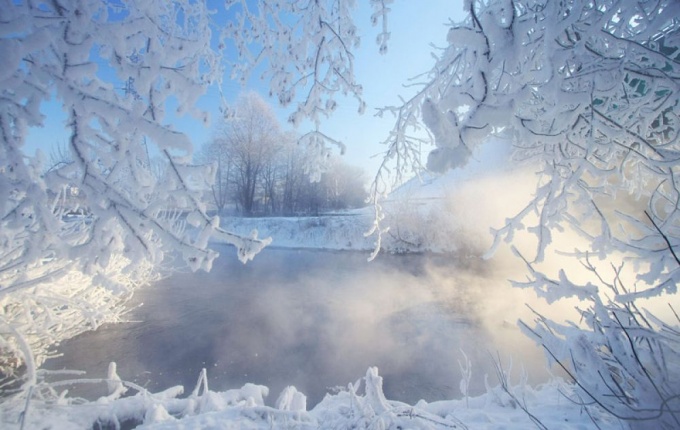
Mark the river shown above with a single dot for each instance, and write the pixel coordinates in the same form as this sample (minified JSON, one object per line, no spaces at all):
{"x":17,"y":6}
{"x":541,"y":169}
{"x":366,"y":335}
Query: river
{"x":316,"y":320}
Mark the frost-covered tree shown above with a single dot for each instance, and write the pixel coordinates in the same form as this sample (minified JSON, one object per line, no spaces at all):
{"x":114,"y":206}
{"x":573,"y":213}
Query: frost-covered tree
{"x":261,"y":169}
{"x":113,"y":67}
{"x":249,"y":141}
{"x":344,"y":186}
{"x":220,"y":190}
{"x":588,"y":91}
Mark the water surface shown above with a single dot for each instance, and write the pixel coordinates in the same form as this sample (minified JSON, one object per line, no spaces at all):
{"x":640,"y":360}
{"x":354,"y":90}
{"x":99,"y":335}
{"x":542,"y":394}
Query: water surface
{"x":315,"y":320}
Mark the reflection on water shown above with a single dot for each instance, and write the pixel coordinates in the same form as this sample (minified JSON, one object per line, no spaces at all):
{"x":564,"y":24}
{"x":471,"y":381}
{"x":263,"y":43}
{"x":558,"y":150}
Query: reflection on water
{"x":315,"y":320}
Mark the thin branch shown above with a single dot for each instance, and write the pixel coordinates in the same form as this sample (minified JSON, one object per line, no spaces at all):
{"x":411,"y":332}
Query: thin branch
{"x":665,"y":238}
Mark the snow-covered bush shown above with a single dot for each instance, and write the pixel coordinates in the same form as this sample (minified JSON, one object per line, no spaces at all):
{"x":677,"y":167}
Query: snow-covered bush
{"x":60,"y":307}
{"x":622,"y":356}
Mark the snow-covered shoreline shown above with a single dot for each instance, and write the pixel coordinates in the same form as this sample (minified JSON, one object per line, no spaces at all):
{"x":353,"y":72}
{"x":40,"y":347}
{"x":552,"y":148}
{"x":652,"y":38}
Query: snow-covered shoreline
{"x":361,"y":405}
{"x":415,"y":226}
{"x":339,"y":232}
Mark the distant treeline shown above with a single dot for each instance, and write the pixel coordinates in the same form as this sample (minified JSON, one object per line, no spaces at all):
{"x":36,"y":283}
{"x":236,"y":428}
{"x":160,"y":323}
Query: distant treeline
{"x":264,"y":171}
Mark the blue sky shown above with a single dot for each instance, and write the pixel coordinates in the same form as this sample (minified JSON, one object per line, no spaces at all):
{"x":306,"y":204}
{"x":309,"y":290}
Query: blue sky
{"x":414,"y":25}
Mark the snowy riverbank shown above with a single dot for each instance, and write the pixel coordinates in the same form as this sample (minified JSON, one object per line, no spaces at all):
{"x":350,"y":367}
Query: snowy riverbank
{"x":361,"y":405}
{"x":412,"y":223}
{"x":339,"y":232}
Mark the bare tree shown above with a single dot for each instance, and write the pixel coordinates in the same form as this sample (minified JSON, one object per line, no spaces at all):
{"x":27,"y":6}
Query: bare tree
{"x":273,"y":176}
{"x":293,"y":176}
{"x":221,"y":191}
{"x":344,"y":185}
{"x":249,"y":140}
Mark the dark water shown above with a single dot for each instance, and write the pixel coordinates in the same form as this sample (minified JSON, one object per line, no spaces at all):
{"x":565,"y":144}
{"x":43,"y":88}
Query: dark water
{"x":315,"y":320}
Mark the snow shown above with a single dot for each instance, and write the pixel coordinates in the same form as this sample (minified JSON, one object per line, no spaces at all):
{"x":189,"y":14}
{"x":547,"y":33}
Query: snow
{"x":361,"y":405}
{"x":291,"y":400}
{"x":417,"y":226}
{"x":328,"y":232}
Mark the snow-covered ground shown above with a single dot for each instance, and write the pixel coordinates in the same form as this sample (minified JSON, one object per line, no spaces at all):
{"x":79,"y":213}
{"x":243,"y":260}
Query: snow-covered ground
{"x":362,"y":405}
{"x":342,"y":231}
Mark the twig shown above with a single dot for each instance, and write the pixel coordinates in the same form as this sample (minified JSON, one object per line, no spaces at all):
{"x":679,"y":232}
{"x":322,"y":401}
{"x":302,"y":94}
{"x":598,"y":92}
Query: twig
{"x":665,"y":238}
{"x":503,"y":379}
{"x":24,"y":414}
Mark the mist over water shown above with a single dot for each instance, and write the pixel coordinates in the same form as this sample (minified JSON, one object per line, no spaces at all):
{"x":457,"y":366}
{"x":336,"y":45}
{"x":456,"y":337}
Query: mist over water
{"x":317,"y":320}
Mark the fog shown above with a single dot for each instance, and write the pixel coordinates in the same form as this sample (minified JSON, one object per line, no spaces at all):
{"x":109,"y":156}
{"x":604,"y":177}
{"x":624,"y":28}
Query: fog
{"x":317,"y":320}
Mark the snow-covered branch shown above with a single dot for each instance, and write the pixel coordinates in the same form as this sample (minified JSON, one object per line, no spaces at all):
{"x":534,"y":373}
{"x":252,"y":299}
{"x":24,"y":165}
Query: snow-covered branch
{"x":77,"y":238}
{"x":587,"y":93}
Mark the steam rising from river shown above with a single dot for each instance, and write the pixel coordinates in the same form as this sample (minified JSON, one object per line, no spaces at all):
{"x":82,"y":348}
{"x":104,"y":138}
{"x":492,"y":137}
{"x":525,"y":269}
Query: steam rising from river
{"x":317,"y":320}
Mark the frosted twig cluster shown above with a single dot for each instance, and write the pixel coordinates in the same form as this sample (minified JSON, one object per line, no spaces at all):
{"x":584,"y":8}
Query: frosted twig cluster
{"x":105,"y":212}
{"x":587,"y":92}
